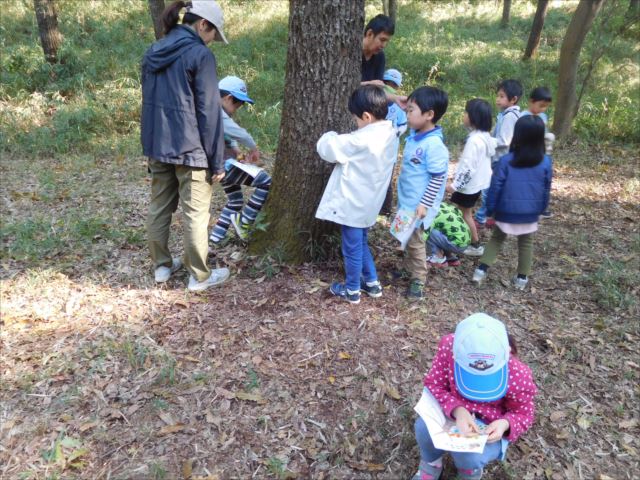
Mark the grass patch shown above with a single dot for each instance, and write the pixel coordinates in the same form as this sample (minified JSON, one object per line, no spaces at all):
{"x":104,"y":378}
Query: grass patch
{"x":614,"y":282}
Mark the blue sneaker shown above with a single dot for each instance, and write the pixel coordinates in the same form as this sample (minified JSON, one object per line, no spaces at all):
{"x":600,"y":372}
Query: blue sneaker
{"x":339,"y":290}
{"x":373,"y":289}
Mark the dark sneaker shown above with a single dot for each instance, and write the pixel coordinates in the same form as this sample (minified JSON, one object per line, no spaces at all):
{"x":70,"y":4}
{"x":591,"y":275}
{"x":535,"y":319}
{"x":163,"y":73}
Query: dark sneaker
{"x":415,"y":290}
{"x":339,"y":290}
{"x":547,"y":214}
{"x":374,"y":291}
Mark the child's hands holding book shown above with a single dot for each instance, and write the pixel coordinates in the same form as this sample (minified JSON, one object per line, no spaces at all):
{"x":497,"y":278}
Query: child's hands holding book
{"x":465,"y":422}
{"x":496,"y":430}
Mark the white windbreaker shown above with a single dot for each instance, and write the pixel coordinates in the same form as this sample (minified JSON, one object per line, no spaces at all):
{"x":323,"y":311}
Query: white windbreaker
{"x":473,"y":172}
{"x":364,"y":163}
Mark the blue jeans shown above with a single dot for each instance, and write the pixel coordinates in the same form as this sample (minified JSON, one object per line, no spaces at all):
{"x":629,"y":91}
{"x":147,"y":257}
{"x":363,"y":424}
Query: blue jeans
{"x":358,"y":261}
{"x":438,"y":241}
{"x":481,"y":213}
{"x":470,"y":463}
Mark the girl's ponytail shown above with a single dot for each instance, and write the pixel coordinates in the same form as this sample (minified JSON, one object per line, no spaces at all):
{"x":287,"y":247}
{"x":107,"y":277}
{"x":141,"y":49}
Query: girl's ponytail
{"x":171,"y":15}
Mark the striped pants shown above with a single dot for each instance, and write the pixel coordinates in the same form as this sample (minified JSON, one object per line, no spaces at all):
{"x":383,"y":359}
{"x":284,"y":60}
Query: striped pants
{"x":232,"y":186}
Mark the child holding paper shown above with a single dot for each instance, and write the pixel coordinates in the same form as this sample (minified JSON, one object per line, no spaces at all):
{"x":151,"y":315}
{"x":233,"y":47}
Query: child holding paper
{"x":476,"y":373}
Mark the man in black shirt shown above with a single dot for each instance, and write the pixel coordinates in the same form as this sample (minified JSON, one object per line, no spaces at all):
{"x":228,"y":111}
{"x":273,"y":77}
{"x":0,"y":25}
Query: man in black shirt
{"x":377,"y":34}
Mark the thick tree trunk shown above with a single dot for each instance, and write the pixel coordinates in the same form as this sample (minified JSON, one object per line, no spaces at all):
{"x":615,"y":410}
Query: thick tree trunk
{"x":536,"y":29}
{"x":390,"y":9}
{"x":156,"y":7}
{"x":323,"y":68}
{"x":50,"y":37}
{"x":506,"y":13}
{"x":566,"y":105}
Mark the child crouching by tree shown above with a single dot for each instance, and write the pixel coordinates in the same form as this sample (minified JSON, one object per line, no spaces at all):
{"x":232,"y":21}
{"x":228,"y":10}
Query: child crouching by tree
{"x":356,"y":189}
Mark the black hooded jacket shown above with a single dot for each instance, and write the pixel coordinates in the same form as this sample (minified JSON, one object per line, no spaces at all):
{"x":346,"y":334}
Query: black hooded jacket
{"x":181,"y":120}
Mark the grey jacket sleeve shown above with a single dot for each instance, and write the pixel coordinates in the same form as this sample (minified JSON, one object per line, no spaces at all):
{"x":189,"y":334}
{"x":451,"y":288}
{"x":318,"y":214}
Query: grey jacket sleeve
{"x":236,"y":133}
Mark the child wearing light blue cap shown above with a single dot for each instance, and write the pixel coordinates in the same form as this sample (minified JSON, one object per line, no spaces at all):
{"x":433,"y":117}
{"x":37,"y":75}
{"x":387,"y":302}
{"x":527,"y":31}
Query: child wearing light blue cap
{"x":233,"y":91}
{"x":476,"y":376}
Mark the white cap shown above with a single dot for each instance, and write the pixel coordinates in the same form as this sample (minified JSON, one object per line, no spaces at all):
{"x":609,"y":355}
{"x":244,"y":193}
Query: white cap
{"x":210,"y":11}
{"x":236,"y":87}
{"x":393,"y":75}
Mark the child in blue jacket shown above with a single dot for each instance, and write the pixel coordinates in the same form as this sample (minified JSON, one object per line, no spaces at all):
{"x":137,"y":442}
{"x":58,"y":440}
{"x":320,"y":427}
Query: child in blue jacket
{"x":518,"y":195}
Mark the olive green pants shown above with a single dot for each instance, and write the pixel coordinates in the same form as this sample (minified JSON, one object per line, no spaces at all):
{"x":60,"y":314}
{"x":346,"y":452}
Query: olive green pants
{"x":192,"y":188}
{"x":525,"y":250}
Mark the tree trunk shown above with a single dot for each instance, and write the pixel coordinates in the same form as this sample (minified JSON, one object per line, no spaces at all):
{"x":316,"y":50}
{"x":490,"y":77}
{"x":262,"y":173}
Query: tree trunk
{"x":566,"y":105}
{"x":536,"y":29}
{"x":393,"y":10}
{"x":323,"y":68}
{"x":50,"y":37}
{"x":634,"y":8}
{"x":156,"y":7}
{"x":506,"y":13}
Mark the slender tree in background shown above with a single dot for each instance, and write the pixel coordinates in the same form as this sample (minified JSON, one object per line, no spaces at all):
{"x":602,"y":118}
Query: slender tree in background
{"x":506,"y":13}
{"x":50,"y":36}
{"x":566,"y":102}
{"x":323,"y":67}
{"x":390,"y":9}
{"x":536,"y":29}
{"x":156,"y":7}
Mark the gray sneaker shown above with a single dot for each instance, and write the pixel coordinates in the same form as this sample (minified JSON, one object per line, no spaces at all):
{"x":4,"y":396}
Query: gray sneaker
{"x":472,"y":251}
{"x":162,"y":274}
{"x":519,"y":283}
{"x":479,"y":276}
{"x":217,"y":277}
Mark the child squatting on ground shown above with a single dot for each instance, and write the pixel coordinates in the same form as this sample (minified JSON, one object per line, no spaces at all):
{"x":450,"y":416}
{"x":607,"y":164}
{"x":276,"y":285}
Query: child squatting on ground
{"x":448,"y":237}
{"x":473,"y":173}
{"x":421,"y":183}
{"x":518,"y":195}
{"x":507,"y":98}
{"x":234,"y":94}
{"x":355,"y":191}
{"x":476,"y":375}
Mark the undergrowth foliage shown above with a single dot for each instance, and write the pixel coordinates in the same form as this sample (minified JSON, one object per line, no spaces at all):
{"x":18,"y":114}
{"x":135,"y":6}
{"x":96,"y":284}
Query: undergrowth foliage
{"x":90,"y":101}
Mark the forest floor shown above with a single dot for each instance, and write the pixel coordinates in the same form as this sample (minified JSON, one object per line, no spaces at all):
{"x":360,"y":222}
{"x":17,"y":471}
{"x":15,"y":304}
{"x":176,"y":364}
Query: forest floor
{"x":106,"y":375}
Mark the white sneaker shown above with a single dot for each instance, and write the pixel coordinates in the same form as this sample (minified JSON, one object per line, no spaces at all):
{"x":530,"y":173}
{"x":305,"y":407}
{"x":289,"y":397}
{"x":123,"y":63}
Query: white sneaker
{"x":217,"y":277}
{"x":472,"y":251}
{"x":163,"y":273}
{"x":519,"y":283}
{"x":478,"y":276}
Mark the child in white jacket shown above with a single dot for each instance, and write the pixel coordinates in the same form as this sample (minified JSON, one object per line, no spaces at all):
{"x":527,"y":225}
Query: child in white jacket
{"x":473,"y":173}
{"x":356,"y":189}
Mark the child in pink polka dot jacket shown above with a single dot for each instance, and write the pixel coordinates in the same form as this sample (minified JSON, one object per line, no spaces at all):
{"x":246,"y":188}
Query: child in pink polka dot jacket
{"x":476,"y":373}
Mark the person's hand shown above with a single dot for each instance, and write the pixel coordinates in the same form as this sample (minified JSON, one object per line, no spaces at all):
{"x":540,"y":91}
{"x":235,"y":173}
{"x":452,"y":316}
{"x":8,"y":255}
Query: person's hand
{"x":496,"y":430}
{"x":217,"y":177}
{"x":253,"y":157}
{"x":421,"y":211}
{"x":402,"y":101}
{"x":379,"y":83}
{"x":450,"y":188}
{"x":465,"y":422}
{"x":236,"y":151}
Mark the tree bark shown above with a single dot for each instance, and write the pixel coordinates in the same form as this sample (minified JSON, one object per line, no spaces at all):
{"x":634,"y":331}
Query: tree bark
{"x":50,"y":37}
{"x":392,"y":9}
{"x":323,"y":68}
{"x":536,"y":29}
{"x":156,"y":7}
{"x":506,"y":13}
{"x":566,"y":105}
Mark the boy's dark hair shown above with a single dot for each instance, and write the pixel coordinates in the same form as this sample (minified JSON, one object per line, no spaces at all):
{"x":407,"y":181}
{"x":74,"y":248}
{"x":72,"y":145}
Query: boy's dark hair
{"x":224,"y":93}
{"x":511,"y":88}
{"x":541,"y":94}
{"x":527,"y":143}
{"x":480,"y":114}
{"x":369,"y":98}
{"x":380,"y":23}
{"x":430,"y":98}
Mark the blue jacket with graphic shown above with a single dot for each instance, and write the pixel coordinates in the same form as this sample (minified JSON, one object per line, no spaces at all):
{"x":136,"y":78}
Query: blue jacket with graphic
{"x":517,"y":194}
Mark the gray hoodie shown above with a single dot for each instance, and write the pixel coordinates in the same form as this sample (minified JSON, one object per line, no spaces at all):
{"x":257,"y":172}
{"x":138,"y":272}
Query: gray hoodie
{"x":181,"y":120}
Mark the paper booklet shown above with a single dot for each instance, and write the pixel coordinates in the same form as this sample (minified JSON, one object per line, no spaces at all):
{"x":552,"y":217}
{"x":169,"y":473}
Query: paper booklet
{"x":250,"y":168}
{"x":403,"y":225}
{"x":444,"y":432}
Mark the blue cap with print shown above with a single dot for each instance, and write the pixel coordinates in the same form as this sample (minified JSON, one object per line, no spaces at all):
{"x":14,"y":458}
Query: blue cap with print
{"x":236,"y":87}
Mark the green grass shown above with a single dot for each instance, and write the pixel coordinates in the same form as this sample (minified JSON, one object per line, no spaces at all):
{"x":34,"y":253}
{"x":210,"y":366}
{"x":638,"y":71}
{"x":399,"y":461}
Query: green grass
{"x":89,"y":103}
{"x":614,"y":282}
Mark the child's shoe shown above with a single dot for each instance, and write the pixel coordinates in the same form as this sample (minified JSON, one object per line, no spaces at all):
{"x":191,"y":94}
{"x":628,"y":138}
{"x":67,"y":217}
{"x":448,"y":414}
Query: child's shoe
{"x":340,"y":290}
{"x":373,"y":289}
{"x":453,"y":261}
{"x":469,"y":473}
{"x":490,"y":223}
{"x":547,"y":214}
{"x":479,"y":276}
{"x":218,"y":276}
{"x":163,"y":273}
{"x":472,"y":251}
{"x":438,"y":262}
{"x":242,"y":229}
{"x":415,"y":290}
{"x":519,"y":283}
{"x":428,"y":471}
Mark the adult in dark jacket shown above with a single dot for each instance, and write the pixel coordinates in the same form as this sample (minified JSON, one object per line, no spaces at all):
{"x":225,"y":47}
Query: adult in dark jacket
{"x":519,"y":193}
{"x":182,"y":134}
